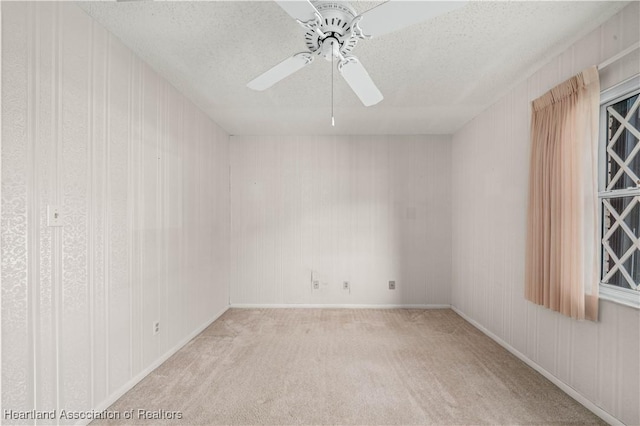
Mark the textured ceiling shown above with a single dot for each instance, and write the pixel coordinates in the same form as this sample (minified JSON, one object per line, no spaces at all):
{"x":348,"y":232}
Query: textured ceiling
{"x":435,"y":76}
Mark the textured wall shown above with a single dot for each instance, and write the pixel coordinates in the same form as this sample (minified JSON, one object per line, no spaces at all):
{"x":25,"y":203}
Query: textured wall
{"x":142,"y":178}
{"x":490,"y":180}
{"x":362,"y":209}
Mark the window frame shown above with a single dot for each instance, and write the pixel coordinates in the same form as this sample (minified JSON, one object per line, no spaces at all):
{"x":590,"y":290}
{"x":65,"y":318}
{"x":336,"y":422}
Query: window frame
{"x":624,"y":89}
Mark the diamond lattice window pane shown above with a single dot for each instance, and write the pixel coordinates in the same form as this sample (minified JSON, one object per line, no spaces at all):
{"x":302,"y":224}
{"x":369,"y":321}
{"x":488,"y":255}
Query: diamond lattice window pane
{"x":624,"y":106}
{"x":633,"y":266}
{"x":623,"y":158}
{"x":618,"y":280}
{"x":621,"y":242}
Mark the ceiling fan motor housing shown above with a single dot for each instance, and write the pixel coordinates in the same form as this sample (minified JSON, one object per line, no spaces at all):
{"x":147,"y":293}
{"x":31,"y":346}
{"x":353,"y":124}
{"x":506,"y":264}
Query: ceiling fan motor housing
{"x":332,"y":30}
{"x":336,"y":26}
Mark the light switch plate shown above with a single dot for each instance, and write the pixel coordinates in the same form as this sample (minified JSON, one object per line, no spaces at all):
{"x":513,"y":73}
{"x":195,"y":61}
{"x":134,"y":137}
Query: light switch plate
{"x":54,"y":216}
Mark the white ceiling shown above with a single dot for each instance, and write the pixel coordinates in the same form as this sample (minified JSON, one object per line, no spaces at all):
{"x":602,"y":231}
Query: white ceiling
{"x":435,"y":76}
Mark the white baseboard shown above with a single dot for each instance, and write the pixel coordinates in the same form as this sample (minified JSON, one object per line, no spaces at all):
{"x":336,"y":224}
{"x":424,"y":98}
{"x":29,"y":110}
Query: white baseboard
{"x":559,"y":383}
{"x":138,"y":377}
{"x":562,"y":385}
{"x":331,"y":306}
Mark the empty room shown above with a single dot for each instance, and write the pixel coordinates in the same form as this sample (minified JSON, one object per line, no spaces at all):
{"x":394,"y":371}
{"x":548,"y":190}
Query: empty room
{"x":287,"y":212}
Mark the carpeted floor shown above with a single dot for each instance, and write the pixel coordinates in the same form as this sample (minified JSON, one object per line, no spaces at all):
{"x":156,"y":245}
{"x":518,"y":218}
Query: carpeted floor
{"x":348,"y":366}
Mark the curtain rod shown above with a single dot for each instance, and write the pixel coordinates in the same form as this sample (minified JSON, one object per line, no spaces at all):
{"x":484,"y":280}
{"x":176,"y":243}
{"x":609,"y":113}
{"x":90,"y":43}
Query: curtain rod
{"x":619,"y":56}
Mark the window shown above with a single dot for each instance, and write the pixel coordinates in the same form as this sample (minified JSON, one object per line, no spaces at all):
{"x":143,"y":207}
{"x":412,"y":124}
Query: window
{"x":619,"y":174}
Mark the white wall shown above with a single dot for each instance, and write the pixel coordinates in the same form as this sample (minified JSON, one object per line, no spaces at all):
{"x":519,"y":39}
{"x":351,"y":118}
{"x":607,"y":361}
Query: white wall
{"x":490,"y":179}
{"x":360,"y":209}
{"x":141,"y":176}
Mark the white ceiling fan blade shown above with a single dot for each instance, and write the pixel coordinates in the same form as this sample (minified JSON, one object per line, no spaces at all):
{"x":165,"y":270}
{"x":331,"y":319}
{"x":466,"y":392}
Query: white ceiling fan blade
{"x":397,"y":14}
{"x":360,"y":82}
{"x":301,"y":10}
{"x":281,"y":71}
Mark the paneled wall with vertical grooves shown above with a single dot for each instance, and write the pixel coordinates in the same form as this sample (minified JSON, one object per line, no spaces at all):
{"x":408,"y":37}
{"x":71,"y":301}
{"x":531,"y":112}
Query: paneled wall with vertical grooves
{"x":490,"y":180}
{"x":141,"y":179}
{"x":361,"y":209}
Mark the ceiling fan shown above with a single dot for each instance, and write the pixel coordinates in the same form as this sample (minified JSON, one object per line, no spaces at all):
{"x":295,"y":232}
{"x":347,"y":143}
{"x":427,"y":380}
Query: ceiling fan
{"x":332,"y":30}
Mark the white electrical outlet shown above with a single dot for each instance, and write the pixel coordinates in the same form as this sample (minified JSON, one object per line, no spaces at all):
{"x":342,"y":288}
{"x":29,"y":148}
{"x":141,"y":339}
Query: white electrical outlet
{"x":316,"y":285}
{"x":392,"y":285}
{"x":54,"y":216}
{"x":345,"y":285}
{"x":156,"y":327}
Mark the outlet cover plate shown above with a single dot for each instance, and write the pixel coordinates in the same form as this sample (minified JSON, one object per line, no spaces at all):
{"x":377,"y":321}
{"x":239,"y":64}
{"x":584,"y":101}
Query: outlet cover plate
{"x":392,"y":285}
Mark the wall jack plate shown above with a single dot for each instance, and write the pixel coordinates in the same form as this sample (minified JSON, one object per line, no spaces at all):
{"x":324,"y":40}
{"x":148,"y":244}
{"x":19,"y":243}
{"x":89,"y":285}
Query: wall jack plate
{"x":316,"y":284}
{"x":392,"y":285}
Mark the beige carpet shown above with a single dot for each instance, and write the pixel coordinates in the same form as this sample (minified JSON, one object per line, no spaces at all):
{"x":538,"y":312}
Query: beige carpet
{"x":349,"y":366}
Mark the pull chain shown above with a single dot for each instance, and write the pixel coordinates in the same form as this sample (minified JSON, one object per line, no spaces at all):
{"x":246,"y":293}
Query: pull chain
{"x":333,"y":121}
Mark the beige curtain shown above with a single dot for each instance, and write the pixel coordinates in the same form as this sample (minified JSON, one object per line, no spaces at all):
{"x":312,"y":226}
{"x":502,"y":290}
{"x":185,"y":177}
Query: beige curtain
{"x":562,"y":267}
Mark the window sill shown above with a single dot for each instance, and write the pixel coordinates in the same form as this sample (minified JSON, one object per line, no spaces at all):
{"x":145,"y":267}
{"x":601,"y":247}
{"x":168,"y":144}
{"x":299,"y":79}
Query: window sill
{"x":621,"y":296}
